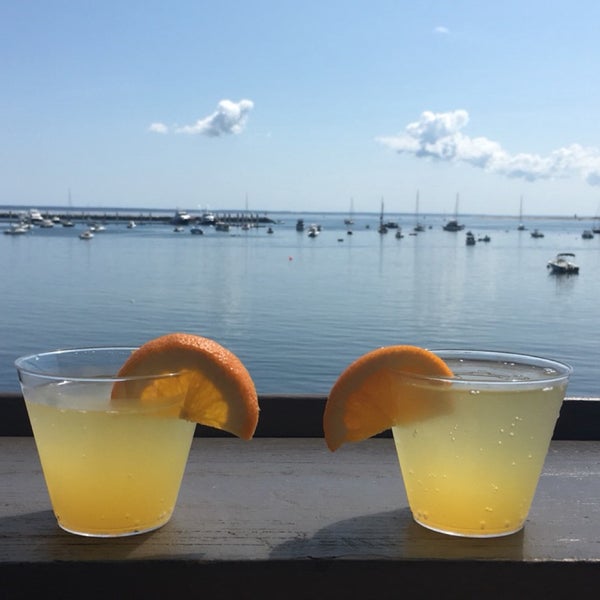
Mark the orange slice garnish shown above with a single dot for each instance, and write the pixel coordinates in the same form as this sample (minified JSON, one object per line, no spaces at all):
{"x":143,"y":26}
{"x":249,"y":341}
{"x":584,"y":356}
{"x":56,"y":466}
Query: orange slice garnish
{"x":214,"y":386}
{"x":374,"y":393}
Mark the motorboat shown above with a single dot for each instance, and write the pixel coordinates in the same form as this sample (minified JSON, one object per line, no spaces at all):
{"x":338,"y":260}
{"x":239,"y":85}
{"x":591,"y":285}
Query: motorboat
{"x":86,"y":235}
{"x":46,"y":223}
{"x":399,"y":234}
{"x":131,"y":225}
{"x":300,"y":225}
{"x":181,"y":217}
{"x":470,"y":239}
{"x":221,"y":226}
{"x":207,"y":218}
{"x":35,"y":216}
{"x":196,"y":230}
{"x":485,"y":238}
{"x":588,"y":234}
{"x":563,"y":265}
{"x":536,"y":233}
{"x":16,"y":229}
{"x":313,"y":231}
{"x":453,"y":225}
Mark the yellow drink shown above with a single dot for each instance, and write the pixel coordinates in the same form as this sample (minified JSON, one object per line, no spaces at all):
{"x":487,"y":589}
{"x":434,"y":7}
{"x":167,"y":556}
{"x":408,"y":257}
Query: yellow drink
{"x":473,"y":470}
{"x":108,"y":472}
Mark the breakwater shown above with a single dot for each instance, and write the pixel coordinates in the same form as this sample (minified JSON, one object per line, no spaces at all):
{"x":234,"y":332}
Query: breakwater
{"x":233,"y":218}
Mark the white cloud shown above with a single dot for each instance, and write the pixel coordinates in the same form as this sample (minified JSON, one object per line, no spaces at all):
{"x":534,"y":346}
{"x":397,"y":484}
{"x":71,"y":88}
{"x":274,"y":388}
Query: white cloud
{"x":441,"y":30}
{"x":158,"y":128}
{"x":439,"y":136}
{"x":229,"y":118}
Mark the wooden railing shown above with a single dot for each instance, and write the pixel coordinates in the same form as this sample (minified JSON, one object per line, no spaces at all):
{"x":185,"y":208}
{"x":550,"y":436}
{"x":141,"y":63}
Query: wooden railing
{"x":282,"y":517}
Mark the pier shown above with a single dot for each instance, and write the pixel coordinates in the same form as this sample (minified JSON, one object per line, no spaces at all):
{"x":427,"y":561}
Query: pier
{"x":78,"y":215}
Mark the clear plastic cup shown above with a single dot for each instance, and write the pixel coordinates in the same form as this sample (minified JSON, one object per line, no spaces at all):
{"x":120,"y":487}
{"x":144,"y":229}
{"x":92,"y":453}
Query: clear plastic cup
{"x":112,"y":468}
{"x":471,"y":467}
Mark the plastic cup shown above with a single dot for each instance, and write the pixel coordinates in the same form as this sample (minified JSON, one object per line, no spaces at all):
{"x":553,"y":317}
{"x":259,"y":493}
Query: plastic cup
{"x":471,"y":467}
{"x":112,"y":468}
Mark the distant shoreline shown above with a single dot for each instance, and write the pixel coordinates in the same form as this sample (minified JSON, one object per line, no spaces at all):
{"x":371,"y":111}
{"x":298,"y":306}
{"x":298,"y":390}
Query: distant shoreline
{"x":9,"y":212}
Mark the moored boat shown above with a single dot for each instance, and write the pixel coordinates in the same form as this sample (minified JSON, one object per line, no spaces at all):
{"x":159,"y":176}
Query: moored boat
{"x":563,"y":265}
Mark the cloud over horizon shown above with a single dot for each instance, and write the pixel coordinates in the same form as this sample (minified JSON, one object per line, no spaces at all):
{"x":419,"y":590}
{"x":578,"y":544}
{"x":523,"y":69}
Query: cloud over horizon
{"x":439,"y":136}
{"x":229,"y":118}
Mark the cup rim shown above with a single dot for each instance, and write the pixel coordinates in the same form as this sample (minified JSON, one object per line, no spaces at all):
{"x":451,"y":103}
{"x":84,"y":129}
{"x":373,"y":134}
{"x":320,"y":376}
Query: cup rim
{"x":25,"y":365}
{"x":561,"y":371}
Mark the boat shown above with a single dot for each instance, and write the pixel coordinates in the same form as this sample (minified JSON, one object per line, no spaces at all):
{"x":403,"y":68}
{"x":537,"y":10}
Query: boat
{"x":563,"y":265}
{"x":399,"y":235}
{"x":35,"y":216}
{"x":350,"y":219}
{"x":300,"y":225}
{"x":313,"y":231}
{"x":195,"y":230}
{"x":418,"y":226}
{"x":221,"y":226}
{"x":131,"y":225}
{"x":453,"y":224}
{"x":178,"y":229}
{"x":485,"y":238}
{"x":67,"y":223}
{"x":207,"y":218}
{"x":382,"y":226}
{"x":470,"y":239}
{"x":46,"y":223}
{"x":270,"y":230}
{"x":536,"y":233}
{"x":15,"y":229}
{"x":86,"y":235}
{"x":181,"y":217}
{"x":588,"y":234}
{"x":521,"y":227}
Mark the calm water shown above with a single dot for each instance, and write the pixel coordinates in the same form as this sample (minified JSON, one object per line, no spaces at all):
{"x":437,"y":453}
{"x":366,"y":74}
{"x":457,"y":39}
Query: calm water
{"x":297,"y":310}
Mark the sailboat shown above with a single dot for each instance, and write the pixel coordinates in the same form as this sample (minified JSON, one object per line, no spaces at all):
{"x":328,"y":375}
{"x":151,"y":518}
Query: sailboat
{"x":453,"y":224}
{"x":382,"y":227}
{"x":521,"y":227}
{"x":350,"y":219}
{"x":418,"y":226}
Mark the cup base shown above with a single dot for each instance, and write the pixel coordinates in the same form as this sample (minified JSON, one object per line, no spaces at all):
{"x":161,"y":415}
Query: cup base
{"x":110,"y":534}
{"x":469,"y":534}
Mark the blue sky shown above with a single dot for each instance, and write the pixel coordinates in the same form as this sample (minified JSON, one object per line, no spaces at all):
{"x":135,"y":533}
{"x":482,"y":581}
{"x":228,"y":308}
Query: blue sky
{"x":302,"y":105}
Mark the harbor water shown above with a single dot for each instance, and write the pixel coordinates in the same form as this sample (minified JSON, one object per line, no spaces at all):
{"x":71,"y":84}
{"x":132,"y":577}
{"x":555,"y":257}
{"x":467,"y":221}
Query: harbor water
{"x":298,"y":309}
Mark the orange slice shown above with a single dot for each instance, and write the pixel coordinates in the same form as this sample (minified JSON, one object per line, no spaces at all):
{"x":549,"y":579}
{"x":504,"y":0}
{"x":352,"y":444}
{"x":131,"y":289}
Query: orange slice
{"x":214,"y":386}
{"x":374,"y":394}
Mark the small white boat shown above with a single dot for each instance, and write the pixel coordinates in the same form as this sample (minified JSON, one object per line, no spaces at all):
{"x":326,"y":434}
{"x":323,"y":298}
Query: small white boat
{"x":563,"y":265}
{"x":46,"y":223}
{"x":16,"y":230}
{"x":35,"y":216}
{"x":86,"y":235}
{"x":131,"y":225}
{"x":313,"y":231}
